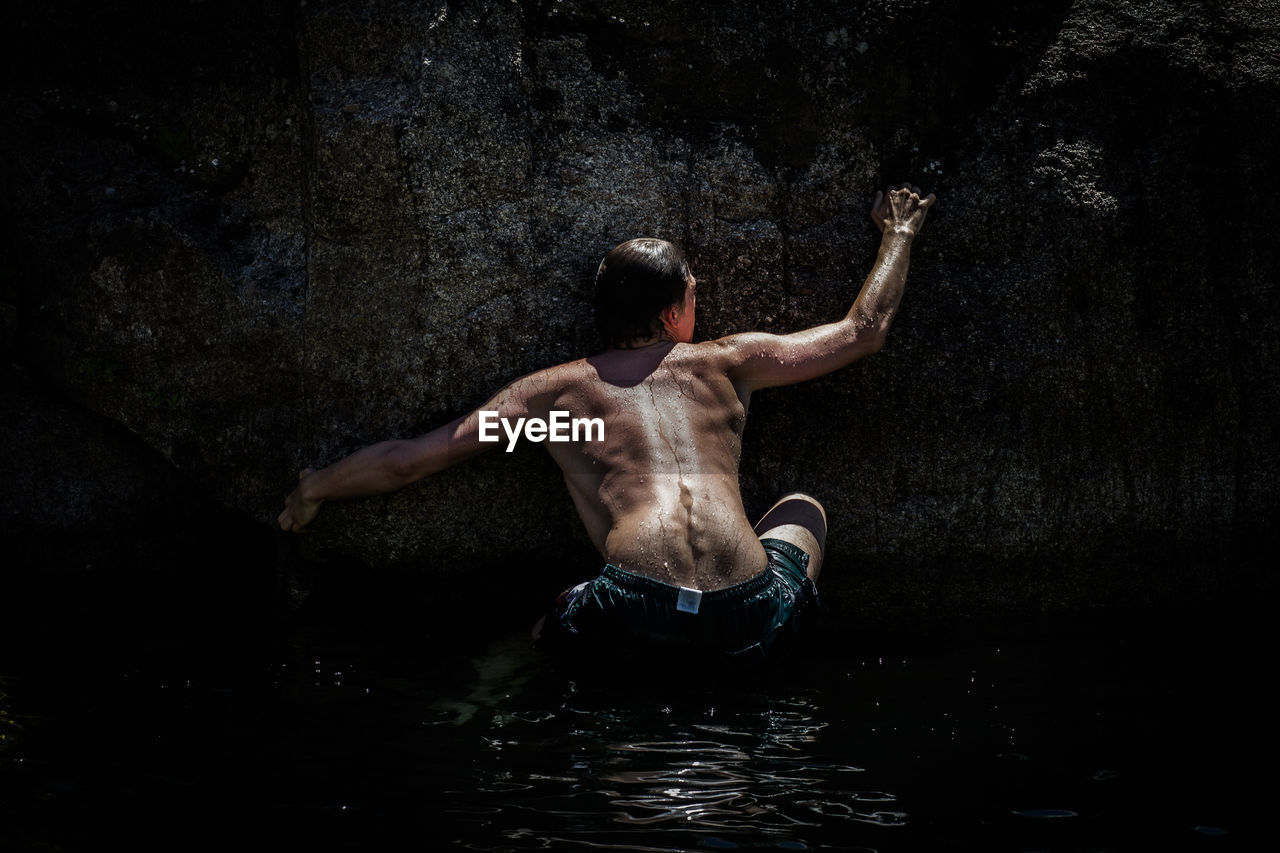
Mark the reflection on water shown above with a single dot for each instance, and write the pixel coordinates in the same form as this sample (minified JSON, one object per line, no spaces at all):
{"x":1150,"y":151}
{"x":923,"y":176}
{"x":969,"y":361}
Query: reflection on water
{"x":749,"y":775}
{"x":1066,"y":745}
{"x":648,"y":762}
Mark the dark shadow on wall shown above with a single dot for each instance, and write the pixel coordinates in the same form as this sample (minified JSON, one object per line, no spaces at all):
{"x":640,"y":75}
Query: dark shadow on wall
{"x":918,"y":85}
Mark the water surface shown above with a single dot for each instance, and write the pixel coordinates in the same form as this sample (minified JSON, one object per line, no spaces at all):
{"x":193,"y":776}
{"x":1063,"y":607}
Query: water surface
{"x":1069,"y":740}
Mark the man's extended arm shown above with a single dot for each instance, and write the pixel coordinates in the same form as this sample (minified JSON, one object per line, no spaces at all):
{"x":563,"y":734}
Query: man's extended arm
{"x":762,"y":359}
{"x":391,"y":465}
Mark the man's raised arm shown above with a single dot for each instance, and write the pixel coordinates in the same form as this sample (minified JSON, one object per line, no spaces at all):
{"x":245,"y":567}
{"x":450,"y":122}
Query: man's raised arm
{"x":391,"y":465}
{"x":761,"y":360}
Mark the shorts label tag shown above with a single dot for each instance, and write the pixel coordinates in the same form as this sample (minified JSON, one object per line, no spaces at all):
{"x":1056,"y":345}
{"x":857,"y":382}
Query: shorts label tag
{"x":689,"y":600}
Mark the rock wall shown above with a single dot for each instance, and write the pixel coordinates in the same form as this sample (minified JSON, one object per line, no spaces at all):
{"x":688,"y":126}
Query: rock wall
{"x":247,"y":237}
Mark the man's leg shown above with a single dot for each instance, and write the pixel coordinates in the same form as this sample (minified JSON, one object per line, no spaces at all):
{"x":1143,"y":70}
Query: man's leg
{"x":800,"y":520}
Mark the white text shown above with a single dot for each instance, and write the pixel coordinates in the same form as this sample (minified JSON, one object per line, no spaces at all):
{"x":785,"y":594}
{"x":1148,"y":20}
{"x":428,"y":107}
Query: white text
{"x":560,"y":427}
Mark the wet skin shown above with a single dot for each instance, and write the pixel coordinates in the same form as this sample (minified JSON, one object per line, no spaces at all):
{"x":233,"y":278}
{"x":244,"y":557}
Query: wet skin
{"x":659,"y":494}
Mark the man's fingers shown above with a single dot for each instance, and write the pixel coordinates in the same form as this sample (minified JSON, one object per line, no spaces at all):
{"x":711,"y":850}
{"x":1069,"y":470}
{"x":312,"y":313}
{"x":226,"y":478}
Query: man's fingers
{"x":898,"y":201}
{"x":288,"y":524}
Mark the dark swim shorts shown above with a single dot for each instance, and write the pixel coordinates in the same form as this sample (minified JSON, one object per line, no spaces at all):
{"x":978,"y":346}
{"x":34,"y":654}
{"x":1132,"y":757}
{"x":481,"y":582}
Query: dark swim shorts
{"x":620,"y":614}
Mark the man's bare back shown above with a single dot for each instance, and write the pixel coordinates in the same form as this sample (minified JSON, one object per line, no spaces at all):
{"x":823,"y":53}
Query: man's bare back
{"x":659,"y":493}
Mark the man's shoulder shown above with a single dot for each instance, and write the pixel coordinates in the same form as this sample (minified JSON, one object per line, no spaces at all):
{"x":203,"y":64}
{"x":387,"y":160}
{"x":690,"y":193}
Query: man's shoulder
{"x":554,"y":378}
{"x":728,"y":351}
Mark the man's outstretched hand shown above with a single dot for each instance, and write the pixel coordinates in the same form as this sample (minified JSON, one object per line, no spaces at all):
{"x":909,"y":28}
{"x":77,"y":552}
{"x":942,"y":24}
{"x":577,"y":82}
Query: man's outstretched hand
{"x":902,"y":211}
{"x":298,"y":510}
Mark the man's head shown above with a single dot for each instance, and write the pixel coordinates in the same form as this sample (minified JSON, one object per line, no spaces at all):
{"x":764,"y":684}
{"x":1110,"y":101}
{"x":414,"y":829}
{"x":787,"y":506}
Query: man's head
{"x":643,"y":291}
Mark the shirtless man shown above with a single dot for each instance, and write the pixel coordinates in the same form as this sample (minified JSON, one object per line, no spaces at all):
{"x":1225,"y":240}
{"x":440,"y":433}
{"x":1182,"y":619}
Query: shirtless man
{"x":687,"y":571}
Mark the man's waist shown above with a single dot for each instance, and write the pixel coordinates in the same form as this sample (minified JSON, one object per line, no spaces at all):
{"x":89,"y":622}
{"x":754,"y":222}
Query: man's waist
{"x":670,"y":593}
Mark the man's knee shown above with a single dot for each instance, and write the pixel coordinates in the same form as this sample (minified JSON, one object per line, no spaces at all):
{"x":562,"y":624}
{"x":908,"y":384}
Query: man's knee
{"x":799,"y":509}
{"x":799,"y":500}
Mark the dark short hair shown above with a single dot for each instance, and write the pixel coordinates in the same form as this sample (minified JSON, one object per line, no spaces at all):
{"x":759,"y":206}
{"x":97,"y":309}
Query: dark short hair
{"x":636,"y":280}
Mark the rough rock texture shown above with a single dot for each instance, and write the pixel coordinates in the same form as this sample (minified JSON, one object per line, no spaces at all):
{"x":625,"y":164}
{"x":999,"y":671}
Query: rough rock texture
{"x":257,"y":235}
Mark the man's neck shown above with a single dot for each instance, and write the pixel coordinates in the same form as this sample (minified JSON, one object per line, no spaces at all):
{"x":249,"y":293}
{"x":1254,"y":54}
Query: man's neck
{"x":644,"y":343}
